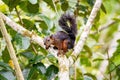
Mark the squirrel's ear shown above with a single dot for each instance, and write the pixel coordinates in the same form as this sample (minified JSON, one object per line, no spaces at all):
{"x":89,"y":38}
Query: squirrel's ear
{"x":51,"y":36}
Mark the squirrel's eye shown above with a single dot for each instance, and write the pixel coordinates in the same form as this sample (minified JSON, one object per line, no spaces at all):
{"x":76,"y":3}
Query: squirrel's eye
{"x":48,"y":40}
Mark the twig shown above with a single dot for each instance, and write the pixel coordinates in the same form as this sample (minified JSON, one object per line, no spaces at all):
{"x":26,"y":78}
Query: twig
{"x":55,"y":8}
{"x":21,"y":22}
{"x":11,"y":51}
{"x":85,"y":33}
{"x":109,"y":64}
{"x":104,"y":26}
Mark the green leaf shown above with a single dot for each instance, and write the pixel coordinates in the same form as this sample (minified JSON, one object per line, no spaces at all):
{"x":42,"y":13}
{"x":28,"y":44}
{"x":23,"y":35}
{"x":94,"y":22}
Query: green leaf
{"x":11,"y":3}
{"x":5,"y":55}
{"x":22,"y":42}
{"x":32,"y":72}
{"x":51,"y":72}
{"x":85,"y":61}
{"x":88,"y":50}
{"x":43,"y":50}
{"x":90,"y":75}
{"x":28,"y":24}
{"x":91,"y":2}
{"x":44,"y":27}
{"x":5,"y":66}
{"x":46,"y":20}
{"x":23,"y":5}
{"x":116,"y":59}
{"x":2,"y":77}
{"x":50,"y":3}
{"x":82,"y":8}
{"x":33,"y":8}
{"x":8,"y":75}
{"x":33,"y":1}
{"x":52,"y":59}
{"x":37,"y":59}
{"x":28,"y":55}
{"x":103,"y":8}
{"x":64,"y":5}
{"x":98,"y":59}
{"x":41,"y":68}
{"x":116,"y":19}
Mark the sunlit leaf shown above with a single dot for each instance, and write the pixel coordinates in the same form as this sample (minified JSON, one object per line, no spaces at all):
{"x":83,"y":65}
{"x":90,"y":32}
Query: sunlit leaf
{"x":85,"y":61}
{"x":11,"y":3}
{"x":52,"y":59}
{"x":98,"y":59}
{"x":88,"y":50}
{"x":50,"y":3}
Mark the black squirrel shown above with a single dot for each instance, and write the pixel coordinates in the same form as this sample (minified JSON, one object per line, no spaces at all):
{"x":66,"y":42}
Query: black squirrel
{"x":63,"y":40}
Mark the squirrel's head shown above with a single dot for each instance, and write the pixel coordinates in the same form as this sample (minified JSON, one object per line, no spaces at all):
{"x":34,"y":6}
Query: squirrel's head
{"x":48,"y":41}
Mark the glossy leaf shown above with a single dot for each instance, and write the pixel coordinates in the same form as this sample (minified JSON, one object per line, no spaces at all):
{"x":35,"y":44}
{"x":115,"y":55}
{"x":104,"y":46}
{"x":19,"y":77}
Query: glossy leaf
{"x":5,"y":55}
{"x":2,"y":77}
{"x":64,"y":5}
{"x":5,"y":66}
{"x":37,"y":59}
{"x":30,"y":25}
{"x":8,"y":75}
{"x":90,"y":75}
{"x":28,"y":55}
{"x":33,"y":70}
{"x":32,"y":8}
{"x":33,"y":1}
{"x":50,"y":3}
{"x":41,"y":68}
{"x":91,"y":2}
{"x":52,"y":59}
{"x":21,"y":42}
{"x":51,"y":72}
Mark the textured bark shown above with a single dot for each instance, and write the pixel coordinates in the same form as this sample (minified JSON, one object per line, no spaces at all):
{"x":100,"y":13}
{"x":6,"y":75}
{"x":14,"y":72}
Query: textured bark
{"x":78,"y":48}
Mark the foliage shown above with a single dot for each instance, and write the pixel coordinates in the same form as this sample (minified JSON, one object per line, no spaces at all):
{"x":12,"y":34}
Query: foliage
{"x":41,"y":16}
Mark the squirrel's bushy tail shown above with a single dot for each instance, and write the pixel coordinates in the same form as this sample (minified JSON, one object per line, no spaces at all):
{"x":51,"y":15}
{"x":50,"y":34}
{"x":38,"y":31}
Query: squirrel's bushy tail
{"x":70,"y":28}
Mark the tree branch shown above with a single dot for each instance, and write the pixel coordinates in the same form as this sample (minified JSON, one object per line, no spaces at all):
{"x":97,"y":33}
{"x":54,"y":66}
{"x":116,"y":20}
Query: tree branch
{"x":11,"y":51}
{"x":21,"y":22}
{"x":34,"y":37}
{"x":86,"y":31}
{"x":104,"y":26}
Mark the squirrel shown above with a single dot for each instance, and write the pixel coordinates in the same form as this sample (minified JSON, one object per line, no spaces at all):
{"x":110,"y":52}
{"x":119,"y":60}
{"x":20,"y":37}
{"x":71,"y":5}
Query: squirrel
{"x":63,"y":40}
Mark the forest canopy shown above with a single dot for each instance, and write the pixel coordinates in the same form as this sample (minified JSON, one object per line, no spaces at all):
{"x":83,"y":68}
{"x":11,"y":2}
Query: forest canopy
{"x":95,"y":55}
